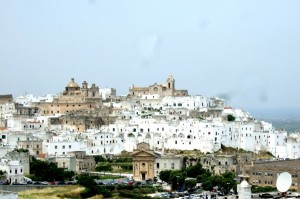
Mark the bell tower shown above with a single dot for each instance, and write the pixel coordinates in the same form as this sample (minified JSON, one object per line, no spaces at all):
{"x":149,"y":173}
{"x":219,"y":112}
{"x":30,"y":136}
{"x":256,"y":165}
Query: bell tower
{"x":171,"y":82}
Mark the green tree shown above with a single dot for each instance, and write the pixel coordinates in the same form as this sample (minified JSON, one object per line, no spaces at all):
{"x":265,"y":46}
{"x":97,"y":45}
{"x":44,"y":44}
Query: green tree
{"x":201,"y":178}
{"x":177,"y":179}
{"x":208,"y":183}
{"x":1,"y":173}
{"x":194,"y":171}
{"x":230,"y":118}
{"x":165,"y":175}
{"x":224,"y":182}
{"x":89,"y":184}
{"x":104,"y":167}
{"x":190,"y":183}
{"x":86,"y":181}
{"x":228,"y":182}
{"x":48,"y":171}
{"x":67,"y":175}
{"x":99,"y":158}
{"x":124,"y":159}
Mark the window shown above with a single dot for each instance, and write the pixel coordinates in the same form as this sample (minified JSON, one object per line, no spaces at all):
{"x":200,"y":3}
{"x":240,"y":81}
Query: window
{"x":172,"y":166}
{"x":54,"y":147}
{"x":69,"y":146}
{"x":63,"y":146}
{"x":157,"y":165}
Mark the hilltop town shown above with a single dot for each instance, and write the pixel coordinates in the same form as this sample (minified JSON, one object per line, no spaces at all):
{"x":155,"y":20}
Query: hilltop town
{"x":160,"y":126}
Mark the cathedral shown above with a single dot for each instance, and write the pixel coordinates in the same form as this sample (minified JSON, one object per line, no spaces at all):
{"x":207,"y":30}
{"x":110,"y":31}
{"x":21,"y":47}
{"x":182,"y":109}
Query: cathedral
{"x":73,"y":98}
{"x":162,"y":89}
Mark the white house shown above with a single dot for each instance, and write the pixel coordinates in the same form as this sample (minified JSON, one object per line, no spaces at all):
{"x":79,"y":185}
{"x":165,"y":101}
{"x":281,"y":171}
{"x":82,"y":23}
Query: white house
{"x":13,"y":170}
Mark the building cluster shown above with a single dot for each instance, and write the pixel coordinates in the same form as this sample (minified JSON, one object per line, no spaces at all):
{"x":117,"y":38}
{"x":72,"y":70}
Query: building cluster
{"x":83,"y":121}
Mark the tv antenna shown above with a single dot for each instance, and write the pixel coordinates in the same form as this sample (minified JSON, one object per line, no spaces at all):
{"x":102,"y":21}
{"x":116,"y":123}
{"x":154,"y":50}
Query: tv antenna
{"x":283,"y":183}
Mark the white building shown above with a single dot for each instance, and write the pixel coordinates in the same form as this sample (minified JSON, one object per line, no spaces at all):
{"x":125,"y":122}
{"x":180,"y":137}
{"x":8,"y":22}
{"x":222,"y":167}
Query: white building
{"x":167,"y":162}
{"x":102,"y":143}
{"x":13,"y":170}
{"x":107,"y":93}
{"x":58,"y":148}
{"x":28,"y":99}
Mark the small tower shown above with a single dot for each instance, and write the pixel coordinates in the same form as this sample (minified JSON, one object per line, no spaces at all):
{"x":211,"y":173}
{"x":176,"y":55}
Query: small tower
{"x":171,"y":82}
{"x":244,"y":189}
{"x":84,"y":88}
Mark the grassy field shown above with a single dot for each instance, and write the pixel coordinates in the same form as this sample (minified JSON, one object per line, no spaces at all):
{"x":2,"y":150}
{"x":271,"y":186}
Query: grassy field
{"x":64,"y":192}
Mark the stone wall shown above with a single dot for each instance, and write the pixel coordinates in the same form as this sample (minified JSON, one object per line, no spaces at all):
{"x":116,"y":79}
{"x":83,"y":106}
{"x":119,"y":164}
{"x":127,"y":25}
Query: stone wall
{"x":18,"y":188}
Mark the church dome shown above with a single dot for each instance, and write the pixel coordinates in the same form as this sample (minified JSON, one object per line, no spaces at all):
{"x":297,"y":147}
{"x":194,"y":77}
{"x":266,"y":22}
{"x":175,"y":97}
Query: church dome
{"x":72,"y":84}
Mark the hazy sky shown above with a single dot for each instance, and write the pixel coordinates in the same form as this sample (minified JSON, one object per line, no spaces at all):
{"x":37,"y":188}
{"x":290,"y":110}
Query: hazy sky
{"x":245,"y":51}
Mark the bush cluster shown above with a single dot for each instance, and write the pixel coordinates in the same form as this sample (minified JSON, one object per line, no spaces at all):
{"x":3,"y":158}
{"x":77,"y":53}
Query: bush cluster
{"x":136,"y":193}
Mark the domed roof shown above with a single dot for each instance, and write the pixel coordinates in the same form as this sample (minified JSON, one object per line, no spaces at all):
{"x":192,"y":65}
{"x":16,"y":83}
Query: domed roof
{"x":72,"y":84}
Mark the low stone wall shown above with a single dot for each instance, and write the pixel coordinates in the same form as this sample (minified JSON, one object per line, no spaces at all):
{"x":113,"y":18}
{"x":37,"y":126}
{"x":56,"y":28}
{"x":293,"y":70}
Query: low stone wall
{"x":18,"y":188}
{"x":8,"y":195}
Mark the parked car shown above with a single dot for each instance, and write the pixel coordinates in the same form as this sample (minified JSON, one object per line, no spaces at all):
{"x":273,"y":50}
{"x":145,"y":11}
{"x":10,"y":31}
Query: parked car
{"x":44,"y":183}
{"x":52,"y":183}
{"x":130,"y":182}
{"x":60,"y":183}
{"x":71,"y":182}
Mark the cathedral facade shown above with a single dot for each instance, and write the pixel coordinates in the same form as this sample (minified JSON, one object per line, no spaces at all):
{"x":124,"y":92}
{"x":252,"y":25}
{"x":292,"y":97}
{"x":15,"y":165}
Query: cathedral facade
{"x":162,"y":89}
{"x":73,"y":98}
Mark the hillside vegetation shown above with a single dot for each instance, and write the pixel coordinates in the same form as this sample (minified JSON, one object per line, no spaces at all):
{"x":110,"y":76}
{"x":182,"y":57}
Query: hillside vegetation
{"x":64,"y":192}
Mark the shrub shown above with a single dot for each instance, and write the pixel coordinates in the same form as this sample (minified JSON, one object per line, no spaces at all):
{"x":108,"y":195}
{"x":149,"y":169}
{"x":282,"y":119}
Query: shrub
{"x":127,"y":194}
{"x":106,"y":193}
{"x":87,"y":193}
{"x":126,"y":187}
{"x":146,"y":190}
{"x":110,"y":187}
{"x":258,"y":189}
{"x":230,"y":118}
{"x":159,"y":188}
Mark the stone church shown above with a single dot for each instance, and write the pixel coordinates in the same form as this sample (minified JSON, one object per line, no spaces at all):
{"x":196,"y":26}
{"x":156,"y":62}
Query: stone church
{"x":78,"y":108}
{"x":143,"y":162}
{"x":73,"y":98}
{"x":162,"y":89}
{"x":147,"y":164}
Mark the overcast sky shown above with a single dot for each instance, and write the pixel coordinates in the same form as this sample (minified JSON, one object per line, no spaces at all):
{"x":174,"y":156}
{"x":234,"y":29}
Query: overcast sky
{"x":245,"y":51}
